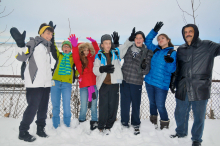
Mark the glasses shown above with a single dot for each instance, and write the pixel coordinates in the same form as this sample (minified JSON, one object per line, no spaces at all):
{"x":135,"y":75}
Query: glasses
{"x":66,"y":46}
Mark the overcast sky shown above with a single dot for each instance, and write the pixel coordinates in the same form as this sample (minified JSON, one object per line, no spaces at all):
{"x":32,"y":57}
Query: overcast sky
{"x":93,"y":18}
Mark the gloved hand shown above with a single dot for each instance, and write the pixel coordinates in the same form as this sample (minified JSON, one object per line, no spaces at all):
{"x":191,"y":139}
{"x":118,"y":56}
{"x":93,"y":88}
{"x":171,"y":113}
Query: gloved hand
{"x":18,"y":37}
{"x":143,"y":64}
{"x":115,"y":38}
{"x":172,"y":88}
{"x":90,"y":39}
{"x":132,"y":37}
{"x":108,"y":68}
{"x":168,"y":59}
{"x":51,"y":24}
{"x":158,"y":26}
{"x":74,"y":41}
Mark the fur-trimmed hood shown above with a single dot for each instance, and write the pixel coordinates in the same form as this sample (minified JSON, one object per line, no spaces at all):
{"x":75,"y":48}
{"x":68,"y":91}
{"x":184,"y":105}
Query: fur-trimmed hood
{"x":82,"y":46}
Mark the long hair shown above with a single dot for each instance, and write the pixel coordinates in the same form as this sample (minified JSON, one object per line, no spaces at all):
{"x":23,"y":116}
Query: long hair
{"x":83,"y":58}
{"x":169,"y":43}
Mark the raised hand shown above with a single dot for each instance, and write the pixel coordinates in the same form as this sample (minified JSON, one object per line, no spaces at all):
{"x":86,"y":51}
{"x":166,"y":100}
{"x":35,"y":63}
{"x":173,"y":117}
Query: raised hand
{"x":51,"y":24}
{"x":115,"y":37}
{"x":158,"y":26}
{"x":74,"y":41}
{"x":90,"y":39}
{"x":132,"y":37}
{"x":18,"y":37}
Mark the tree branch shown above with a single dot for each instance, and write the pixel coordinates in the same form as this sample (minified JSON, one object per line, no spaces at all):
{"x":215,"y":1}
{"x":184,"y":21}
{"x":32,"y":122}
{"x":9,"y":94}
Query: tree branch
{"x":3,"y":30}
{"x":69,"y":27}
{"x":7,"y":14}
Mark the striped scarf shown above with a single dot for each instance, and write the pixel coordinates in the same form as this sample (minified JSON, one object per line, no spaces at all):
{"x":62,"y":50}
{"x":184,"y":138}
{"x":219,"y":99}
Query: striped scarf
{"x":65,"y":68}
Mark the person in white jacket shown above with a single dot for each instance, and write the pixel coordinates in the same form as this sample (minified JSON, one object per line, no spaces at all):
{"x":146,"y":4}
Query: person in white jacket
{"x":37,"y":76}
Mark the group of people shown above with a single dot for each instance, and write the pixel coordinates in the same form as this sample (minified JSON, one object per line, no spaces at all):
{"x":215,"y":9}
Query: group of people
{"x":189,"y":70}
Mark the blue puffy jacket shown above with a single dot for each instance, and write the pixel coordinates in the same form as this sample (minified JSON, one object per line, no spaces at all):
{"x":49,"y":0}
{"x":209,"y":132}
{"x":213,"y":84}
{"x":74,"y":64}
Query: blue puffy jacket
{"x":160,"y":72}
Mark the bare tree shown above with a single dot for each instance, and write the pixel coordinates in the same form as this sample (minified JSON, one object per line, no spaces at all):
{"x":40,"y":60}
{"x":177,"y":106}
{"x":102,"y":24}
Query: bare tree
{"x":194,"y":9}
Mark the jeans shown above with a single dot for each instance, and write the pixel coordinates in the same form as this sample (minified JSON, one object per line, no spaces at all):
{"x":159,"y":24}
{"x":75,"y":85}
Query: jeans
{"x":56,"y":91}
{"x":182,"y":117}
{"x":84,"y":105}
{"x":157,"y":98}
{"x":130,"y":94}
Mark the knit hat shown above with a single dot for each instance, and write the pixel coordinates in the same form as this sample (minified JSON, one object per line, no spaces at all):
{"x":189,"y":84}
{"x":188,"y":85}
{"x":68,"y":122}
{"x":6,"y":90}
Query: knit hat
{"x":106,"y":37}
{"x":141,"y":33}
{"x":67,"y":43}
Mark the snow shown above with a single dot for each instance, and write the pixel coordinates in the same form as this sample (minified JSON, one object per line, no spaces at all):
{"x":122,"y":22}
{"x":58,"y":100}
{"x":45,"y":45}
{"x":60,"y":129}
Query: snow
{"x":79,"y":135}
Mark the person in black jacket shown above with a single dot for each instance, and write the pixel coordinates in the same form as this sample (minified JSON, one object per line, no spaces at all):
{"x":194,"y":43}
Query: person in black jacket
{"x":193,"y":80}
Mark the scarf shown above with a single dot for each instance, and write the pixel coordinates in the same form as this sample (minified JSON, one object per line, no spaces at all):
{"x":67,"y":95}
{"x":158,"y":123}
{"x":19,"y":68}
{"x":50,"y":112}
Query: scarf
{"x":65,"y":68}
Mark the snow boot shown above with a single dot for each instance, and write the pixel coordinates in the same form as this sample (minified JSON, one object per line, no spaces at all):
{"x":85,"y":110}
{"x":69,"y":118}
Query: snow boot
{"x":153,"y":119}
{"x":176,"y":135}
{"x":93,"y":125}
{"x":196,"y":143}
{"x":41,"y":131}
{"x":136,"y":130}
{"x":24,"y":135}
{"x":107,"y":131}
{"x":164,"y":124}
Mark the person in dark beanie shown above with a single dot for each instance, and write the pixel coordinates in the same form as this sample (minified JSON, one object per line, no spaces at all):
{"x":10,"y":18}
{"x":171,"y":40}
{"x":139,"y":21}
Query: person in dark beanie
{"x":157,"y":82}
{"x":37,"y":76}
{"x":107,"y":69}
{"x":137,"y":62}
{"x":193,"y":80}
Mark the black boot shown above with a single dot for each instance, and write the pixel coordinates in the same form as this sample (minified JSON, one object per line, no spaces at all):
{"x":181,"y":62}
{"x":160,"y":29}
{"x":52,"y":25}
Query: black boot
{"x":196,"y":143}
{"x":176,"y":135}
{"x":164,"y":124}
{"x":41,"y":131}
{"x":153,"y":119}
{"x":93,"y":125}
{"x":136,"y":131}
{"x":24,"y":135}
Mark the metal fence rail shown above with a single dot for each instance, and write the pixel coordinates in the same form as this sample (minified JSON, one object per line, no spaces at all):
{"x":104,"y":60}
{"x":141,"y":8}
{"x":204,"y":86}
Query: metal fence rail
{"x":13,"y":100}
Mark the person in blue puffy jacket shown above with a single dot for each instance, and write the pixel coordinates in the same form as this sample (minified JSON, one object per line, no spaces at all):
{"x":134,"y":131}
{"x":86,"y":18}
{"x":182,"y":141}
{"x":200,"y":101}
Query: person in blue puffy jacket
{"x":157,"y":81}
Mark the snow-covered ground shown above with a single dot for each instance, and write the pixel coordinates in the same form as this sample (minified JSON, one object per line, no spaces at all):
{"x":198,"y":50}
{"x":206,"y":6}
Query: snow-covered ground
{"x":79,"y":135}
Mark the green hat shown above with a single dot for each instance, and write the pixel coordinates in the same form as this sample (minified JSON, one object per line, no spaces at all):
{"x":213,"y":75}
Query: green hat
{"x":67,"y":43}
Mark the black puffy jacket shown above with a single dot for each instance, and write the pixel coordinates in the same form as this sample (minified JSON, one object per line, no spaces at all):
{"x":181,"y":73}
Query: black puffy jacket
{"x":194,"y":68}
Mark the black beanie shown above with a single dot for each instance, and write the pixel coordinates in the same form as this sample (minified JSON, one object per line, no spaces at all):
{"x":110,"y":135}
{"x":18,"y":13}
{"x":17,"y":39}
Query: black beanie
{"x":140,"y":32}
{"x":106,"y":37}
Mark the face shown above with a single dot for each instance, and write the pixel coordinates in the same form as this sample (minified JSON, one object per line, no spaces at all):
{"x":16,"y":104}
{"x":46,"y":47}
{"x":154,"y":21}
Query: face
{"x":162,"y":41}
{"x":189,"y":34}
{"x":139,"y":40}
{"x":47,"y":35}
{"x":86,"y":51}
{"x":66,"y":49}
{"x":106,"y":45}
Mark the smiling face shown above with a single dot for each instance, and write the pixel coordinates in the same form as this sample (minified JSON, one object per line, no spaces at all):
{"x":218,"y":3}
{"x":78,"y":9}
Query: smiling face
{"x":189,"y":34}
{"x":66,"y":49}
{"x":162,"y":41}
{"x":86,"y":51}
{"x":106,"y":45}
{"x":47,"y":35}
{"x":139,"y":40}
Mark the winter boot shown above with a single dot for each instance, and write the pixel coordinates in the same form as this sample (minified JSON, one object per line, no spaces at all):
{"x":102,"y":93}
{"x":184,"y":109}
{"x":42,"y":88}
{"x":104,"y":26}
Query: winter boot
{"x":41,"y":131}
{"x":153,"y":119}
{"x":136,"y":130}
{"x":93,"y":125}
{"x":24,"y":135}
{"x":107,"y":131}
{"x":196,"y":143}
{"x":176,"y":135}
{"x":164,"y":124}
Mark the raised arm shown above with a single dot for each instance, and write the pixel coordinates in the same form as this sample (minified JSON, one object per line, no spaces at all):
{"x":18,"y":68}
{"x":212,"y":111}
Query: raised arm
{"x":95,"y":44}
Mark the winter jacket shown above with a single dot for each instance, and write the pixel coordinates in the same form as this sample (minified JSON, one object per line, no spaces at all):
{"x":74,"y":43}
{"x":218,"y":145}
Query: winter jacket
{"x":38,"y":68}
{"x":194,"y":68}
{"x":58,"y":56}
{"x":116,"y":76}
{"x":160,"y":72}
{"x":131,"y":66}
{"x":87,"y":77}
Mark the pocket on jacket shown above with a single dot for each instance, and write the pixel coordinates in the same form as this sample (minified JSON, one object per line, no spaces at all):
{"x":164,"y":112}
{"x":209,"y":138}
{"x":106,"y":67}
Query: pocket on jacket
{"x":201,"y":87}
{"x":181,"y":89}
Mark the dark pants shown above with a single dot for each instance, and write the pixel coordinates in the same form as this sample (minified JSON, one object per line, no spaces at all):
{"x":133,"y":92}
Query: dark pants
{"x":130,"y":93}
{"x":182,"y":117}
{"x":37,"y":99}
{"x":108,"y":105}
{"x":157,"y":98}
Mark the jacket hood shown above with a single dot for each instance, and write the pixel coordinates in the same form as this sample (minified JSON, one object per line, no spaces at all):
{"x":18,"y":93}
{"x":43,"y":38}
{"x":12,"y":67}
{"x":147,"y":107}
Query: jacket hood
{"x":82,"y":46}
{"x":196,"y":32}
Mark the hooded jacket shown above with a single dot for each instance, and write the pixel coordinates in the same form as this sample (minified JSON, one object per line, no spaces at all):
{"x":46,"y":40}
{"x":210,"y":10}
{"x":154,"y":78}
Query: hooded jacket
{"x":116,"y":76}
{"x":160,"y":72}
{"x":38,"y":70}
{"x":86,"y":76}
{"x":194,"y":67}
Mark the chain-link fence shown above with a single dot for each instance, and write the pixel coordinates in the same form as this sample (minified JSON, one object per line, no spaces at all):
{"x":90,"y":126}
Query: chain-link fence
{"x":13,"y":100}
